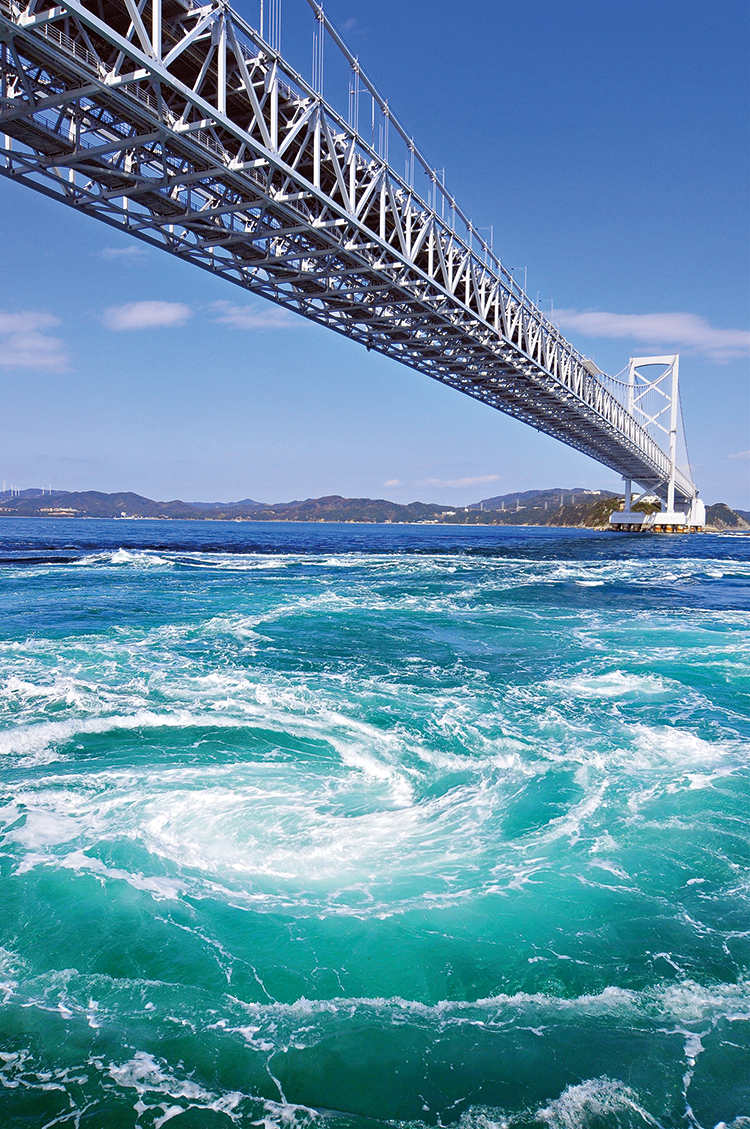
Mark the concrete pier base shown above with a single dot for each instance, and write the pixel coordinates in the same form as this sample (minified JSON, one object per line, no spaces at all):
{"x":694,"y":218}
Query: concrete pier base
{"x":668,"y":521}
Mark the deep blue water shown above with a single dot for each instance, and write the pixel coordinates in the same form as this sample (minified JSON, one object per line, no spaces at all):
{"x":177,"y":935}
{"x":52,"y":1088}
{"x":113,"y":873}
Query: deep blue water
{"x":353,"y":826}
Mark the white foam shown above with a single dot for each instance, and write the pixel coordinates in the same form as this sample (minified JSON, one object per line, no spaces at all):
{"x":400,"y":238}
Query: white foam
{"x":143,"y":559}
{"x":476,"y":1118}
{"x":159,"y":1088}
{"x":274,"y":828}
{"x":615,"y":684}
{"x":34,"y":740}
{"x":701,"y":780}
{"x":142,"y":1072}
{"x":41,"y":828}
{"x":10,"y":965}
{"x":681,"y":1004}
{"x":59,"y":690}
{"x":678,"y":745}
{"x":161,"y":888}
{"x":594,"y":1098}
{"x":690,"y":1002}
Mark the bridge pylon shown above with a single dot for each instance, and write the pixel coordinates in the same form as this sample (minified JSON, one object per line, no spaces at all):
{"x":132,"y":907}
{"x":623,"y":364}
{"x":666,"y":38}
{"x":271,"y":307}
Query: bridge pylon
{"x":653,"y":398}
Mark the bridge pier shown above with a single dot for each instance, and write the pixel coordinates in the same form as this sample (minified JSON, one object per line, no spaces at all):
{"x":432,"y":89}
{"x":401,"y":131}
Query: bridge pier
{"x":650,"y":399}
{"x":692,"y":520}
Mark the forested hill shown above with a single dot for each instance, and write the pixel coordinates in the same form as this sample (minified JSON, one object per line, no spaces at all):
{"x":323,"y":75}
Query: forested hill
{"x":559,"y":507}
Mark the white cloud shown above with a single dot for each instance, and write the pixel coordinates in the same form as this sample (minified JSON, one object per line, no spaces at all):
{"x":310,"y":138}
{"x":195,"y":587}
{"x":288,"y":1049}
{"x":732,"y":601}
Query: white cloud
{"x":146,"y":315}
{"x":134,"y":251}
{"x":479,"y":480}
{"x":25,"y":344}
{"x":677,"y":331}
{"x":740,"y":455}
{"x":392,"y":482}
{"x":247,"y":317}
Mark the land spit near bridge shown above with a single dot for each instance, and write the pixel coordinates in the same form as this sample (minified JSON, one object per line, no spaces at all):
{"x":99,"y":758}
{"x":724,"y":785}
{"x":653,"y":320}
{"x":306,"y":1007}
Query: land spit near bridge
{"x":578,"y":509}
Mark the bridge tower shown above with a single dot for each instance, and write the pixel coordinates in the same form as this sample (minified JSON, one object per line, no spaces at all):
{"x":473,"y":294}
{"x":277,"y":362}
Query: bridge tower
{"x":653,"y":398}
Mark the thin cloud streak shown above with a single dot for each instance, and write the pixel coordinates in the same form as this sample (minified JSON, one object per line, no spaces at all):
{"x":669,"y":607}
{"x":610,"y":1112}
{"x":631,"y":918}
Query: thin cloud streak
{"x":673,"y":330}
{"x":478,"y":480}
{"x":247,"y":317}
{"x":112,"y":254}
{"x":147,"y":315}
{"x":740,"y":455}
{"x":25,"y":344}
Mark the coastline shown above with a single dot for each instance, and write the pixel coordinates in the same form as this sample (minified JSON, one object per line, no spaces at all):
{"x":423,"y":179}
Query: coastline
{"x":556,"y":509}
{"x":511,"y":527}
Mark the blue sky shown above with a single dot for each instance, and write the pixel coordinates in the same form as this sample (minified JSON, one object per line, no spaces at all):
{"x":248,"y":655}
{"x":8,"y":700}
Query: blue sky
{"x":607,"y":145}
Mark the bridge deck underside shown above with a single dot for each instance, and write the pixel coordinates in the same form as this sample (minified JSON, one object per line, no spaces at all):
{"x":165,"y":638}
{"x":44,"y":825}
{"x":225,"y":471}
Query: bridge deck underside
{"x":209,"y":146}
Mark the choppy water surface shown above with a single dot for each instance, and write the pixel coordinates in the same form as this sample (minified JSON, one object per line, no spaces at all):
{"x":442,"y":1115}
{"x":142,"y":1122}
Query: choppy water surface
{"x":353,"y":826}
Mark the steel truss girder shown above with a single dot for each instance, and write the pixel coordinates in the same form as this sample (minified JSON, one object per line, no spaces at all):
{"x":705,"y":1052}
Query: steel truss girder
{"x":197,"y":137}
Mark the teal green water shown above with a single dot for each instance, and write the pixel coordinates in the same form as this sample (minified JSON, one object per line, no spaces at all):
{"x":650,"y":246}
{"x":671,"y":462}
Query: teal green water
{"x":349,"y":827}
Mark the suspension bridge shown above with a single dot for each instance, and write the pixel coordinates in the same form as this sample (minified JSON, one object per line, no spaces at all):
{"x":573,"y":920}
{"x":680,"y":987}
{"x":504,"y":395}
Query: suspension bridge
{"x":180,"y":123}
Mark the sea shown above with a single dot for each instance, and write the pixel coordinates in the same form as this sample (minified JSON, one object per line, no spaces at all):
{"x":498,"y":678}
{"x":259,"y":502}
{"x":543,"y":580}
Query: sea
{"x":354,"y":826}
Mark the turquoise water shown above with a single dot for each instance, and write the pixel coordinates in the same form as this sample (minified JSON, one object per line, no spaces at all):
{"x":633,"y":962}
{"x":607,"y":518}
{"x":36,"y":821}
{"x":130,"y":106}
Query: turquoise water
{"x":346,"y":826}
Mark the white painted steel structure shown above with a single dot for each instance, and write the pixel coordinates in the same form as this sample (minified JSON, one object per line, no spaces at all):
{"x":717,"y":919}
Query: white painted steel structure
{"x":653,"y":396}
{"x":178,"y":122}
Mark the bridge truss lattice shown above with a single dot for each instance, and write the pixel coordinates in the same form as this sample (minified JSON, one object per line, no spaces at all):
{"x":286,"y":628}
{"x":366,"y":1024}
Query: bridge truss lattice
{"x":178,"y":122}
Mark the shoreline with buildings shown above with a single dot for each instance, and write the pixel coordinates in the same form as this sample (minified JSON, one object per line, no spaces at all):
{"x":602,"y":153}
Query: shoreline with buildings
{"x":555,"y":508}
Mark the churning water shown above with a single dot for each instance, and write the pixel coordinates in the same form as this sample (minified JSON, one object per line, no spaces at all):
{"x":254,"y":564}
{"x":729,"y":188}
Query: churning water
{"x":348,"y":826}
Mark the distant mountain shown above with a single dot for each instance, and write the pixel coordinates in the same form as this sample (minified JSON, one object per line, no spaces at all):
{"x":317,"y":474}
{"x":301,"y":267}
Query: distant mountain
{"x":720,"y":517}
{"x":532,"y":507}
{"x":246,"y":503}
{"x":572,"y":508}
{"x":543,"y":500}
{"x":92,"y":503}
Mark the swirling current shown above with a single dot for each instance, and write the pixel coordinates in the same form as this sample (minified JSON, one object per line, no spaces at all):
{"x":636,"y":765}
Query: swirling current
{"x":362,"y":826}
